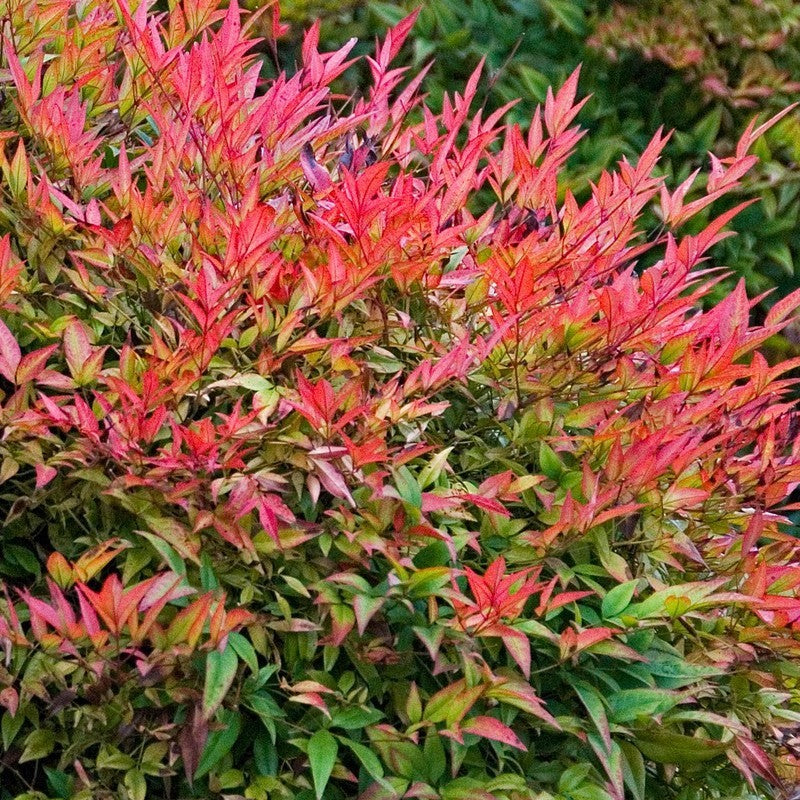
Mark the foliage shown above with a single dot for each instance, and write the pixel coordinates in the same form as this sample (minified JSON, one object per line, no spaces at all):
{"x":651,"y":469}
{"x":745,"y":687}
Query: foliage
{"x":726,"y":59}
{"x":323,"y":479}
{"x":699,"y":67}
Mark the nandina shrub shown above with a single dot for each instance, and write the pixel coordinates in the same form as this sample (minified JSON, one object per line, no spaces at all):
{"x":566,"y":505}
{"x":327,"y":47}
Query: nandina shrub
{"x":322,"y":480}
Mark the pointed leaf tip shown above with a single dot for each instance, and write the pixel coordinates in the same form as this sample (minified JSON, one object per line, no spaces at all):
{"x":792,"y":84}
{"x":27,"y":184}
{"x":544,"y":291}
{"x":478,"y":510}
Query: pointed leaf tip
{"x":322,"y":752}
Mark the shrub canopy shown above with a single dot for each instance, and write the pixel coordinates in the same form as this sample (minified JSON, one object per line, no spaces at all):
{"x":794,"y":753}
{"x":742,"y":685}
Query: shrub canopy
{"x":702,"y":67}
{"x":324,"y":477}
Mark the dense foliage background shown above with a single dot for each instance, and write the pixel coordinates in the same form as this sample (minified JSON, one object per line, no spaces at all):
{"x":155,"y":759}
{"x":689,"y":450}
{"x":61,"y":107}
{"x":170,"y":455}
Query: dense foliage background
{"x":354,"y":446}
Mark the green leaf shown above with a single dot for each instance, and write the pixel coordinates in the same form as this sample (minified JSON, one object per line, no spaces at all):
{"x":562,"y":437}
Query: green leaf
{"x":136,"y":784}
{"x":707,"y":129}
{"x":39,"y":743}
{"x":208,"y":580}
{"x":9,"y":727}
{"x":383,"y":362}
{"x":618,"y":599}
{"x":668,"y":747}
{"x":230,"y":779}
{"x":630,"y":704}
{"x":675,"y":673}
{"x":244,"y":650}
{"x":296,"y":585}
{"x":248,"y":336}
{"x":110,"y":757}
{"x":534,"y":81}
{"x":407,"y":487}
{"x":413,"y":704}
{"x":452,"y":703}
{"x":368,"y":759}
{"x":435,"y":756}
{"x":20,"y":172}
{"x":220,"y":671}
{"x":593,"y":701}
{"x":170,"y":555}
{"x":616,"y":565}
{"x":388,"y":13}
{"x":591,"y":791}
{"x":432,"y":638}
{"x":322,"y":752}
{"x":428,"y":581}
{"x":676,"y":606}
{"x":431,"y":471}
{"x":550,"y":464}
{"x":364,"y":608}
{"x":219,"y":741}
{"x":465,"y":788}
{"x":354,"y":718}
{"x":60,"y":784}
{"x":782,"y":255}
{"x":674,"y":600}
{"x":573,"y":777}
{"x":267,"y":709}
{"x":254,"y":382}
{"x":265,"y":754}
{"x":22,"y":557}
{"x":435,"y":554}
{"x":633,"y":770}
{"x":569,"y":14}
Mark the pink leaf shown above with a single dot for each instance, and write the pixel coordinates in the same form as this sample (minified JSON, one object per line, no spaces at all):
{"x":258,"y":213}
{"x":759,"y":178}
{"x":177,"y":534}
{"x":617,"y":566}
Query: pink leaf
{"x":315,"y":174}
{"x":10,"y":354}
{"x":10,"y":699}
{"x":311,"y":699}
{"x":491,"y":728}
{"x":44,"y":475}
{"x":520,"y":694}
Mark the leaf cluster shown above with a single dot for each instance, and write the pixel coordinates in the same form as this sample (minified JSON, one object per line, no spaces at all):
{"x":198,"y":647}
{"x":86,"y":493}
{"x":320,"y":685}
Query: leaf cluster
{"x":700,"y":67}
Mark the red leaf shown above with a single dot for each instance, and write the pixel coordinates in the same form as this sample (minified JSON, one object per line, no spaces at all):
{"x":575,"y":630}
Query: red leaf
{"x":33,"y":364}
{"x":563,"y":599}
{"x":122,"y":231}
{"x":783,"y":308}
{"x":277,"y":28}
{"x":311,"y":699}
{"x":516,"y":643}
{"x":757,"y":760}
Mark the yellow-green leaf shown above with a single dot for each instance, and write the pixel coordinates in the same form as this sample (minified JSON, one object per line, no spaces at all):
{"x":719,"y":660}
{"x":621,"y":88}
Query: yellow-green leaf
{"x":39,"y":744}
